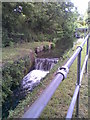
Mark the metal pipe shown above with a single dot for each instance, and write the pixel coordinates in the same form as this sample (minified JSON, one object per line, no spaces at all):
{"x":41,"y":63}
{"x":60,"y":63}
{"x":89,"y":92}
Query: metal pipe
{"x":78,"y":68}
{"x":84,"y":40}
{"x":35,"y":110}
{"x":37,"y":107}
{"x":83,"y":68}
{"x":87,"y":53}
{"x":78,"y":81}
{"x":71,"y":107}
{"x":73,"y":57}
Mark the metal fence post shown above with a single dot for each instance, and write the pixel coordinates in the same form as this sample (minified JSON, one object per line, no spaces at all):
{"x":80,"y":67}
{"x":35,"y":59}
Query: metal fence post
{"x":78,"y":82}
{"x":87,"y":54}
{"x":84,"y":33}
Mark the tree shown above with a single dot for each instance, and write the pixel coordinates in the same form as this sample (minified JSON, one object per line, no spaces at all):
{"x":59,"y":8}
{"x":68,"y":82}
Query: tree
{"x":27,"y":20}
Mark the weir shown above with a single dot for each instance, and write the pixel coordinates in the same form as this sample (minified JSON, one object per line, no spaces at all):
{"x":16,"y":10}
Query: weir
{"x":42,"y":68}
{"x":45,"y":64}
{"x":32,"y":79}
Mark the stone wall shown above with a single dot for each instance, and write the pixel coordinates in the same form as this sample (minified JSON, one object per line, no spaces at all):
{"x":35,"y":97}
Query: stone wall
{"x":44,"y":48}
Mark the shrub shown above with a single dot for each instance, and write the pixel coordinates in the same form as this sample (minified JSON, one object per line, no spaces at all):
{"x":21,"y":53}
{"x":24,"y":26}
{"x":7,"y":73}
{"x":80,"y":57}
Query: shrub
{"x":11,"y":44}
{"x":46,"y":47}
{"x":55,"y":40}
{"x":12,"y":75}
{"x":52,"y":45}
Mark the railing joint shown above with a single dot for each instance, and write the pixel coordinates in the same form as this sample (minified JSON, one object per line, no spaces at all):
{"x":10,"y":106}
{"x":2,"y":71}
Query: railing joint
{"x":78,"y":84}
{"x":63,"y":70}
{"x":80,"y":47}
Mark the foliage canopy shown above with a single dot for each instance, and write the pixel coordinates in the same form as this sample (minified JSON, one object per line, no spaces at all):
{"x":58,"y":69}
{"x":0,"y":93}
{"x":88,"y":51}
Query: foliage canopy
{"x":26,"y":22}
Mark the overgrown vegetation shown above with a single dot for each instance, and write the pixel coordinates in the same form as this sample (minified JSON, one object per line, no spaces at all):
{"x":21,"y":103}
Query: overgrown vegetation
{"x":59,"y":104}
{"x":32,"y":96}
{"x":20,"y":50}
{"x":12,"y":74}
{"x":26,"y":26}
{"x":29,"y":22}
{"x":15,"y":66}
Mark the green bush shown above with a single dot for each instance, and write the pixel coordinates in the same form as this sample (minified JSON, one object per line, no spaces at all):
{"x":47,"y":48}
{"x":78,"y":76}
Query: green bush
{"x":55,"y":40}
{"x":52,"y":45}
{"x":36,"y":21}
{"x":12,"y":74}
{"x":46,"y":47}
{"x":11,"y":44}
{"x":6,"y":41}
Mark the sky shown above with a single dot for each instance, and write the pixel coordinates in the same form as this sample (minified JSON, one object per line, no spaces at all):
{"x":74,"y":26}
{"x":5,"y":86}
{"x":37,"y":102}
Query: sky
{"x":82,"y":5}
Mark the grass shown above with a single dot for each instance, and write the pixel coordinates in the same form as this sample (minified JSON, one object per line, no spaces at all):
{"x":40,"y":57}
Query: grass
{"x":32,"y":96}
{"x":62,"y":97}
{"x":19,"y":50}
{"x":59,"y":103}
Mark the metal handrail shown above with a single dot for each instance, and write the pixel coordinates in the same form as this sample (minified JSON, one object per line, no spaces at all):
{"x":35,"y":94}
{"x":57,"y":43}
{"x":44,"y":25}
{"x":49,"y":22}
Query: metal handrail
{"x":38,"y":106}
{"x":79,"y":79}
{"x":71,"y":107}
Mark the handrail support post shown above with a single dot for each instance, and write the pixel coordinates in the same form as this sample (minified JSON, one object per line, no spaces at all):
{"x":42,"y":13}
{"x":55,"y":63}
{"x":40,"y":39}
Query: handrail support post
{"x":78,"y":82}
{"x":87,"y":54}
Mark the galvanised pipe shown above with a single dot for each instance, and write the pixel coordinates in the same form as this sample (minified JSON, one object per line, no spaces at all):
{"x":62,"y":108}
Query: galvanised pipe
{"x":87,"y":54}
{"x":35,"y":110}
{"x":73,"y":57}
{"x":84,"y":41}
{"x":78,"y":81}
{"x":83,"y":68}
{"x":71,"y":107}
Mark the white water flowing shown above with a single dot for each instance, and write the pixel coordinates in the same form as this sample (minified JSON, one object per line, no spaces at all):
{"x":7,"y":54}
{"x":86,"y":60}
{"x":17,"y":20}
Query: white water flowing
{"x":45,"y":64}
{"x":42,"y":68}
{"x":33,"y":78}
